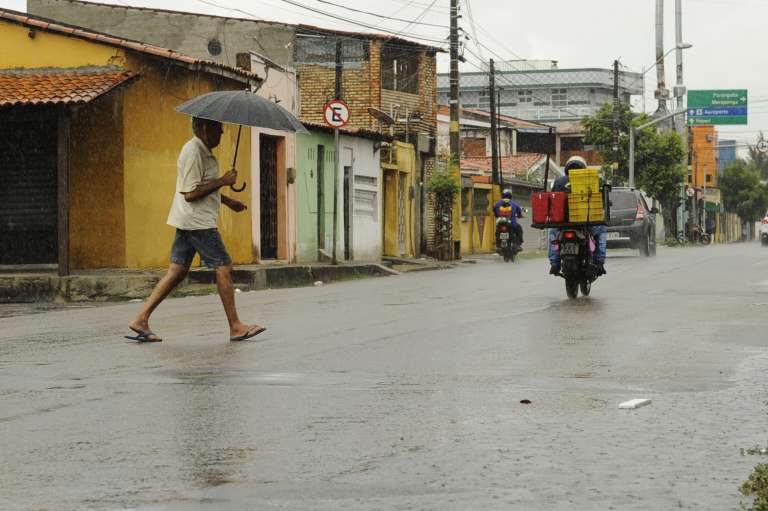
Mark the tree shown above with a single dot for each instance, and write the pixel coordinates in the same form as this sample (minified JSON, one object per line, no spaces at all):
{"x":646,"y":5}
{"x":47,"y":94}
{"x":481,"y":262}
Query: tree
{"x":759,"y":158}
{"x":743,"y":192}
{"x":658,"y":156}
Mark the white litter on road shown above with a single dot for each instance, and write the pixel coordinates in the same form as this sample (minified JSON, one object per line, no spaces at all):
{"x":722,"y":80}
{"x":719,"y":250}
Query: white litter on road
{"x":634,"y":403}
{"x":318,"y":283}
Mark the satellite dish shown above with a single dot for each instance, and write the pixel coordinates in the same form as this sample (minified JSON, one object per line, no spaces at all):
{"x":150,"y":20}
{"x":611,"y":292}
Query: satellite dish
{"x":383,"y":117}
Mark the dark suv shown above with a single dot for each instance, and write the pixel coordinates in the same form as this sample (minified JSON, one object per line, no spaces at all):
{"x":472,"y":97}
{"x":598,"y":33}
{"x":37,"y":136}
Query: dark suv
{"x":632,"y":223}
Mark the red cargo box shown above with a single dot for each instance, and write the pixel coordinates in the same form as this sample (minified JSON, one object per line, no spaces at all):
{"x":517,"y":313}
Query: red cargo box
{"x":549,"y":208}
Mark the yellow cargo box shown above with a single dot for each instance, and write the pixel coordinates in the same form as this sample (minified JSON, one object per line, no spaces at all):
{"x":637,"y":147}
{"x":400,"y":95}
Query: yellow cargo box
{"x":585,"y":181}
{"x":585,"y":207}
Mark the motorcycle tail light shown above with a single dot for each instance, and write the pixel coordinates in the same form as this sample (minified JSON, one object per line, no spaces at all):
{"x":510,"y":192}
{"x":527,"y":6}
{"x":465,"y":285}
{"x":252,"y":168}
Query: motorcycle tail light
{"x":569,"y":235}
{"x":503,"y":228}
{"x":640,"y":212}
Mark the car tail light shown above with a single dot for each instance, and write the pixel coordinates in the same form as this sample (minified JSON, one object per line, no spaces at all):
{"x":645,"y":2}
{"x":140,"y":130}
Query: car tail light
{"x":640,"y":212}
{"x":765,"y":220}
{"x":569,"y":235}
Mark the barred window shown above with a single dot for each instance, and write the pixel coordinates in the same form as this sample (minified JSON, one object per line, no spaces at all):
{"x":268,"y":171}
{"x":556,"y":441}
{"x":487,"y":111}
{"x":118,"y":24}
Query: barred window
{"x":560,"y":97}
{"x":400,"y":68}
{"x":525,"y":96}
{"x":485,"y":100}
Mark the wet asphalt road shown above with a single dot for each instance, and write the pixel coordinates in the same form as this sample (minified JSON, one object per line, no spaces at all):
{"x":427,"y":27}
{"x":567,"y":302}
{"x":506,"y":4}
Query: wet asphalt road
{"x":401,"y":393}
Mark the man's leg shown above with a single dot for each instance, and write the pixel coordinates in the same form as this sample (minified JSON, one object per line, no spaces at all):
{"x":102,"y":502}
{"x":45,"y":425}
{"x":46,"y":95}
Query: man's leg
{"x":600,"y":232}
{"x":554,"y":255}
{"x":213,"y":253}
{"x":519,"y":231}
{"x":226,"y":290}
{"x":174,"y":276}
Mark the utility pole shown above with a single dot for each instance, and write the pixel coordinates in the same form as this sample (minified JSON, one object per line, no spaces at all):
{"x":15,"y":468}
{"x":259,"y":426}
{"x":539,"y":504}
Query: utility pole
{"x":679,"y":86}
{"x":616,"y":111}
{"x":494,"y":126}
{"x":336,"y":149}
{"x":455,"y":130}
{"x":680,"y":94}
{"x":661,"y":89}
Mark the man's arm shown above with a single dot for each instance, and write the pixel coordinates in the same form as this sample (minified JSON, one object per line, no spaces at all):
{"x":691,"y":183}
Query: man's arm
{"x":233,"y":204}
{"x":205,"y":189}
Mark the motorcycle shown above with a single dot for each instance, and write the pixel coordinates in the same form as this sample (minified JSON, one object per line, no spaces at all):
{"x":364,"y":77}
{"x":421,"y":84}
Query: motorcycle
{"x":764,"y":239}
{"x":577,"y":249}
{"x":507,"y":242}
{"x":701,"y":236}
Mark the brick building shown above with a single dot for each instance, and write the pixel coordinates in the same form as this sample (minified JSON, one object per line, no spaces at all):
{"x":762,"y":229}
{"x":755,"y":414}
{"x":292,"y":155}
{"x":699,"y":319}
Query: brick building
{"x":390,"y":85}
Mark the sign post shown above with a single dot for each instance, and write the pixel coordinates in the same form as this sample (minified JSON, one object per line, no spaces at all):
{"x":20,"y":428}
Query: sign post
{"x":721,"y":107}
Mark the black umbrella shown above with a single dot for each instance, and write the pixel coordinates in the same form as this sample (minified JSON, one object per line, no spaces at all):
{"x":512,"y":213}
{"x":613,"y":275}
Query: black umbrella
{"x":244,"y":108}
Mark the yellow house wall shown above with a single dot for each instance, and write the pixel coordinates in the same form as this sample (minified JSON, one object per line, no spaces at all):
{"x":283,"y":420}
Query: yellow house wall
{"x":97,"y":231}
{"x":154,"y":135}
{"x":405,"y":167}
{"x":96,"y":205}
{"x":471,"y":242}
{"x":406,"y":162}
{"x":18,"y":50}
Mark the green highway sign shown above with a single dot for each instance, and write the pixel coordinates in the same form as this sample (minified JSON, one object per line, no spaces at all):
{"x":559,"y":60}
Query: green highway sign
{"x":717,"y":98}
{"x":728,"y":107}
{"x":724,"y":120}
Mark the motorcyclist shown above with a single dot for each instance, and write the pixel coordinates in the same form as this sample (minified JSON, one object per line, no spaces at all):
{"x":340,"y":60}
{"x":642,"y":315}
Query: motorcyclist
{"x":507,"y":209}
{"x":563,"y":184}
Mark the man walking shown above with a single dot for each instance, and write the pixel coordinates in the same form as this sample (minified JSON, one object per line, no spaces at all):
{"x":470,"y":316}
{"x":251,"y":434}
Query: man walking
{"x":195,"y":214}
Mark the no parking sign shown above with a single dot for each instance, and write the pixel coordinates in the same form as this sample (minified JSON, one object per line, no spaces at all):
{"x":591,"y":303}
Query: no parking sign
{"x":336,"y":114}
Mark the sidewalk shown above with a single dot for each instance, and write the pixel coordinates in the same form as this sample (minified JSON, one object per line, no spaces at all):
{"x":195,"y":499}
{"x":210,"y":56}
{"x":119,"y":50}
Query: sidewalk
{"x":121,"y":284}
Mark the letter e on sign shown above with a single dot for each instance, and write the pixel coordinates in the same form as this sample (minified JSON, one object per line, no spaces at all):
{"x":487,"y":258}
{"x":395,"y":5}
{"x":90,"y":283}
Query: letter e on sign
{"x":336,"y":114}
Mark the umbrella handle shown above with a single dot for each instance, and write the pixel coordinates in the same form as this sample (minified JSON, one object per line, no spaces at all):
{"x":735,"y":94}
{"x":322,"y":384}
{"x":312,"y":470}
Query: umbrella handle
{"x":234,"y":160}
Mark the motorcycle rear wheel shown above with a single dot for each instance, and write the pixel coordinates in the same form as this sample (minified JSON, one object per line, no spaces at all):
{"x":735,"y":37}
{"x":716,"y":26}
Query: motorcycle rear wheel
{"x":586,"y":287}
{"x":572,"y":288}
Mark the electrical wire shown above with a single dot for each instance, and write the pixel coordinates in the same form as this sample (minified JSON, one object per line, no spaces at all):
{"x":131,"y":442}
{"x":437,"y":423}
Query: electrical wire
{"x":318,"y":31}
{"x":382,"y":16}
{"x":359,"y":23}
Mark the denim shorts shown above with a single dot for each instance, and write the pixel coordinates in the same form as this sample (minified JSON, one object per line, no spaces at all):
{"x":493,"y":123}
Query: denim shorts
{"x":206,"y":242}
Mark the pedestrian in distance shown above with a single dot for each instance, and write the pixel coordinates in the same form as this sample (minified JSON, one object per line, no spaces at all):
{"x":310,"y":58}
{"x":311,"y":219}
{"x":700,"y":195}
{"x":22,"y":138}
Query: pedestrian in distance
{"x":195,"y":213}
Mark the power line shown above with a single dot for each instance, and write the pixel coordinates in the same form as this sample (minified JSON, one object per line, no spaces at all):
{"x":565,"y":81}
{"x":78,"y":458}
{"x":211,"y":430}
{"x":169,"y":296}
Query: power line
{"x":317,"y":31}
{"x":382,"y":16}
{"x":359,"y":23}
{"x":318,"y":11}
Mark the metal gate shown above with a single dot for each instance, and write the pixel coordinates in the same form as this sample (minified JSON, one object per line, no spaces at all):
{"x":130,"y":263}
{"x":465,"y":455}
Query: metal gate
{"x":28,"y":200}
{"x":268,"y":194}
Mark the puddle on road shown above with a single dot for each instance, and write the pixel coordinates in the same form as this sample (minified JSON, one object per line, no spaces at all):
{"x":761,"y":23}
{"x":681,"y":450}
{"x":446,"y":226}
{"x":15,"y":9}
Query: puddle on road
{"x":278,"y":379}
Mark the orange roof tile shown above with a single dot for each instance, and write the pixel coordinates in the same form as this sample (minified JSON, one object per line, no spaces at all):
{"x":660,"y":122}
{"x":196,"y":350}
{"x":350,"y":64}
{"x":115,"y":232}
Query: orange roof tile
{"x":47,"y":87}
{"x":517,"y":165}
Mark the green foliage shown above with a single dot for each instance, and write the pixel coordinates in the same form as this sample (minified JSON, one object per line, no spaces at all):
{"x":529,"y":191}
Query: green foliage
{"x":759,"y":158}
{"x":658,"y":156}
{"x":743,"y":192}
{"x":442,"y":183}
{"x":756,"y":487}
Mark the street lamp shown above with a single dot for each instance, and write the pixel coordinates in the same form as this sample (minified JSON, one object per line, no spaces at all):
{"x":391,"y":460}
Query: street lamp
{"x":680,"y":46}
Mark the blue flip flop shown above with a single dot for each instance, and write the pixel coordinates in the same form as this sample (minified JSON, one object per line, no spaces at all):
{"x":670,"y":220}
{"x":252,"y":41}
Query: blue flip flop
{"x":146,"y":336}
{"x":251,"y":333}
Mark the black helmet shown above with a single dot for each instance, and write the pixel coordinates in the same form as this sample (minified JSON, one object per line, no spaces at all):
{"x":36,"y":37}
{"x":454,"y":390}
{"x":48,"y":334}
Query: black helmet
{"x":575,"y":162}
{"x":506,"y":194}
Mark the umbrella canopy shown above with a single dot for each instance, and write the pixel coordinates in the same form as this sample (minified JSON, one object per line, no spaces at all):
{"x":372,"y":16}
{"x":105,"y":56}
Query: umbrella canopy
{"x":244,"y":108}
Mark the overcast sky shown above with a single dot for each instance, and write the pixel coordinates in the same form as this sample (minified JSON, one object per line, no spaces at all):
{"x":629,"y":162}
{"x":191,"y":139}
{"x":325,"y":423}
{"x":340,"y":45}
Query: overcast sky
{"x":728,"y":36}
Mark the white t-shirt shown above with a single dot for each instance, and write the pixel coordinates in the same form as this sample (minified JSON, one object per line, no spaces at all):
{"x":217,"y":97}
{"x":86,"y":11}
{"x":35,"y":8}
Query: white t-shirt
{"x":196,"y":165}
